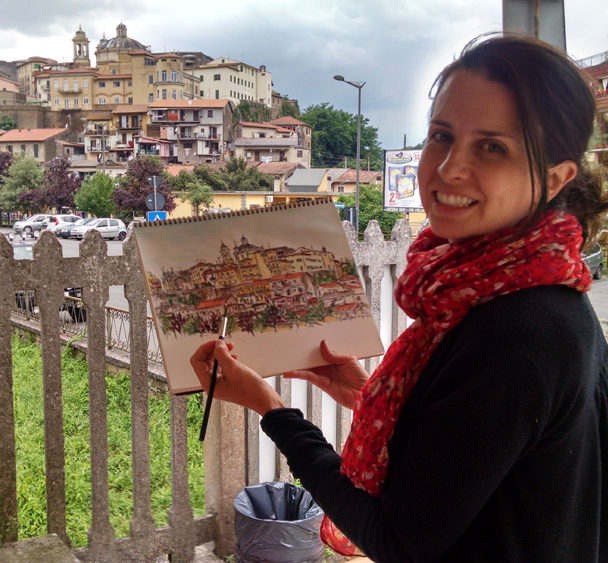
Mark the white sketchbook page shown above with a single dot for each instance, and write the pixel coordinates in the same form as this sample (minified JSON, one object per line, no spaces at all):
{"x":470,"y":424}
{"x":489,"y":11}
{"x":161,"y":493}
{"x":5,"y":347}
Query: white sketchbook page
{"x":178,"y":247}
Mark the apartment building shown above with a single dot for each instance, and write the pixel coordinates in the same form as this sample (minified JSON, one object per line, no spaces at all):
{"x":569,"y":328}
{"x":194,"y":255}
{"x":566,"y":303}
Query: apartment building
{"x":26,"y":70}
{"x":269,"y":142}
{"x":40,"y":144}
{"x":225,"y":78}
{"x":199,"y":130}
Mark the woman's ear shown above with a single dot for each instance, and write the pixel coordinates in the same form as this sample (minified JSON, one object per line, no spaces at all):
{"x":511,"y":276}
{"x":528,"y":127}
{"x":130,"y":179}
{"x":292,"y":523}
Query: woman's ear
{"x":558,"y":176}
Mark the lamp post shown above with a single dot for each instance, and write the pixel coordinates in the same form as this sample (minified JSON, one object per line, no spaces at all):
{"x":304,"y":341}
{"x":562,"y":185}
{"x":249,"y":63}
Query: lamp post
{"x":358,"y":86}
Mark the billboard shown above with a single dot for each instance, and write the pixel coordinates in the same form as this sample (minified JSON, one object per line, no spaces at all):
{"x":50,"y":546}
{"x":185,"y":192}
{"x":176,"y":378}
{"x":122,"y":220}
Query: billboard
{"x":401,"y":180}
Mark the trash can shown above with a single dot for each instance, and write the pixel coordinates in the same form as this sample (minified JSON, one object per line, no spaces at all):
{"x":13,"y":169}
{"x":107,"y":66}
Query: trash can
{"x":277,"y":522}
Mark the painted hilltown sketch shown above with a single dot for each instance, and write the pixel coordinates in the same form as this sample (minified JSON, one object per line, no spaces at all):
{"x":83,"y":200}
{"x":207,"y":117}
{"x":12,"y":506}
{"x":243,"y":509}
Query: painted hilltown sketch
{"x":284,"y":276}
{"x":259,"y":288}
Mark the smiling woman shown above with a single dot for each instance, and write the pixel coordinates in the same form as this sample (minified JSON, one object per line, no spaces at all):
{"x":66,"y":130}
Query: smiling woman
{"x":483,"y":434}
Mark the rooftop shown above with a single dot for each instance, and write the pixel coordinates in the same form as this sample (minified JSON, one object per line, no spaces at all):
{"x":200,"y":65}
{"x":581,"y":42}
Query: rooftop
{"x":31,"y":135}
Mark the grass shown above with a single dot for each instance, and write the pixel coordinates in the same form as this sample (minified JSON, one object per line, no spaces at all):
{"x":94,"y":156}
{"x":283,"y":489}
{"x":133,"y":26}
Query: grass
{"x":29,"y":429}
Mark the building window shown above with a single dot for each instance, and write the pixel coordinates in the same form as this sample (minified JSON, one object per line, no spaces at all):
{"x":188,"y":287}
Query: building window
{"x":23,"y":148}
{"x":35,"y":151}
{"x":117,"y":100}
{"x":56,"y":101}
{"x":102,"y":101}
{"x":217,"y":77}
{"x":173,"y":76}
{"x":66,"y":85}
{"x":85,"y":82}
{"x":75,"y":102}
{"x":150,"y":79}
{"x":150,"y":97}
{"x":341,"y":189}
{"x":113,"y":71}
{"x":9,"y":148}
{"x":299,"y":154}
{"x":85,"y":101}
{"x":201,"y":93}
{"x":217,"y":94}
{"x":201,"y":78}
{"x":174,"y":94}
{"x":116,"y":83}
{"x":66,"y":103}
{"x":129,"y":83}
{"x":164,"y":96}
{"x":102,"y":84}
{"x":209,"y":113}
{"x":75,"y":85}
{"x":149,"y":62}
{"x":130,"y":100}
{"x":163,"y":75}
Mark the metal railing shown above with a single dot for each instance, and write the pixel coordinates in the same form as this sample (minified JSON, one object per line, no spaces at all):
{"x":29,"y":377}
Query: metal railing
{"x":236,"y":454}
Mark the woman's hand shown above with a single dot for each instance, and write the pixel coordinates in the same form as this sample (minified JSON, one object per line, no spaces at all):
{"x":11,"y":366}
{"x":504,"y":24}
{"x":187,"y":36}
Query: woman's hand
{"x":342,"y":379}
{"x":236,"y":382}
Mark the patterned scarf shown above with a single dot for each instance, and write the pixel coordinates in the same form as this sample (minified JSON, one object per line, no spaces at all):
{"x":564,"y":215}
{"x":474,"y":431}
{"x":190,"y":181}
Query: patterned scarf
{"x":441,"y":283}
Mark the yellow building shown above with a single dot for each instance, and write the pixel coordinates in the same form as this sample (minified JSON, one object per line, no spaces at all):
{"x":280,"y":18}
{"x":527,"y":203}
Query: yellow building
{"x":26,"y":71}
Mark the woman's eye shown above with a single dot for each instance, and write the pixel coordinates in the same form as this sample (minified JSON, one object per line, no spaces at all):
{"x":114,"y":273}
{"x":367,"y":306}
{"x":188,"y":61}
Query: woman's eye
{"x":439,"y":136}
{"x":490,"y":146}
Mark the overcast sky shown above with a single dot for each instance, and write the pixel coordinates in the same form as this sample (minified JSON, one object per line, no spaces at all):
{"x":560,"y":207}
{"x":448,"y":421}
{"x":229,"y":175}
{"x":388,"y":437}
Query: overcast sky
{"x":396,"y":47}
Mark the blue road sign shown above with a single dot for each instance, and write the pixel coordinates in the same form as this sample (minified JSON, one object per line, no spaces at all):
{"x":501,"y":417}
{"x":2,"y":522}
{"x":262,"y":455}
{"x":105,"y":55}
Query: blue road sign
{"x":156,"y":215}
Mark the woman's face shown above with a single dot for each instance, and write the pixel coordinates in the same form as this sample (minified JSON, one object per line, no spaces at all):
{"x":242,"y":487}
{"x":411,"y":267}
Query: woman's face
{"x":473,"y":173}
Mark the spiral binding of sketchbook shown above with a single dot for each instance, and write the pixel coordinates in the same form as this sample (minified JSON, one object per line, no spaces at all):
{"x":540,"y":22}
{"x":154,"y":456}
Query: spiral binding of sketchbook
{"x":284,"y":276}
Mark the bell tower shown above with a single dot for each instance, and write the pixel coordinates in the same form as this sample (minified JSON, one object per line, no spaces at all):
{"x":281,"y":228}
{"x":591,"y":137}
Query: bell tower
{"x":81,"y":48}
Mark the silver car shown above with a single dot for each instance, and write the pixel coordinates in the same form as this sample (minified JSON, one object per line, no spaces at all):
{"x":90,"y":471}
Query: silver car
{"x":108,"y":227}
{"x":31,"y":224}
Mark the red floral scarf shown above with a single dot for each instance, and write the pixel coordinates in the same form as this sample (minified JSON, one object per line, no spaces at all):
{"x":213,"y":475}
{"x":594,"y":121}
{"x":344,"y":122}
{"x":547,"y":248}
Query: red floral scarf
{"x":441,"y":283}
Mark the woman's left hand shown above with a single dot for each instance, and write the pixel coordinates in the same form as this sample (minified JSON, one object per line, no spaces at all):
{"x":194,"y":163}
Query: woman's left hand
{"x":236,"y":382}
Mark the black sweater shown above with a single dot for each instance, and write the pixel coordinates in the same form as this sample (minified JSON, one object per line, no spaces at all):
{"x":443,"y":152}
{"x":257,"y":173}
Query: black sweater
{"x":500,"y":452}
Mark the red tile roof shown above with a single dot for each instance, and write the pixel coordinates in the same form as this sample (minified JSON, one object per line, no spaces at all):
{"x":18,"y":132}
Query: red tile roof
{"x":130,"y":108}
{"x":32,"y":135}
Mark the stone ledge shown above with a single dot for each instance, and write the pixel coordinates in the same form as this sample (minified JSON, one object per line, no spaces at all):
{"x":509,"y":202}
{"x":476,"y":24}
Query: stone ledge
{"x":37,"y":550}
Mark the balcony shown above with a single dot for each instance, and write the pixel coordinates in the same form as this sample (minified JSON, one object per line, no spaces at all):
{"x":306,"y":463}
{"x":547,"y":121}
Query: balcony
{"x":72,"y":90}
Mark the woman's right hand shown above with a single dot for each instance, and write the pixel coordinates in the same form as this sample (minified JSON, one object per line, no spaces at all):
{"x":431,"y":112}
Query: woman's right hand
{"x":342,"y":379}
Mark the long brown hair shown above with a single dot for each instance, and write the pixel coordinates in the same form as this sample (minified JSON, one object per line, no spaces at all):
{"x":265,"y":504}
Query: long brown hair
{"x":556,"y":109}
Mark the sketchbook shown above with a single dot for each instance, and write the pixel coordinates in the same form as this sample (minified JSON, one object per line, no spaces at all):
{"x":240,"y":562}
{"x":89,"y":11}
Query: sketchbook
{"x":283,"y":275}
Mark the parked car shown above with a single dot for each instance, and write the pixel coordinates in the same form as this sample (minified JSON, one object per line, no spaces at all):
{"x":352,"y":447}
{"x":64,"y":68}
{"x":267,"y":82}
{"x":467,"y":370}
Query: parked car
{"x":594,"y":258}
{"x":26,"y":300}
{"x":31,"y":224}
{"x":56,"y":221}
{"x":108,"y":227}
{"x":64,"y":230}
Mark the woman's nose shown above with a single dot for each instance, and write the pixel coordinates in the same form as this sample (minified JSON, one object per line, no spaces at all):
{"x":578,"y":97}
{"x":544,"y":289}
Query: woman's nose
{"x":456,"y":165}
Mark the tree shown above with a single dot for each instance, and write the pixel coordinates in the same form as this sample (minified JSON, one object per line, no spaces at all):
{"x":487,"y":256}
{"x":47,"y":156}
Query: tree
{"x":24,"y":175}
{"x":236,"y":176}
{"x":334,"y":137}
{"x":251,"y":111}
{"x":198,"y":195}
{"x":133,"y":187}
{"x":95,"y":195}
{"x":7,"y":123}
{"x":289,"y":107}
{"x":60,"y":183}
{"x":6,"y":159}
{"x":370,"y":207}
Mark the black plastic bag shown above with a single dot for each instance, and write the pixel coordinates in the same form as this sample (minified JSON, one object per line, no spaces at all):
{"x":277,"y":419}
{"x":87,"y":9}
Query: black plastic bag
{"x":277,"y":522}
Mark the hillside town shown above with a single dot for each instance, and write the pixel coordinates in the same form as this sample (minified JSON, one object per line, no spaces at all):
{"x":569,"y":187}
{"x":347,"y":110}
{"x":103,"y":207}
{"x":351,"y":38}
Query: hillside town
{"x":123,"y":101}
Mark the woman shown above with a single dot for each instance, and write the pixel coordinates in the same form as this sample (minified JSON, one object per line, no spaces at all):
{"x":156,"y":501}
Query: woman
{"x":482,"y":435}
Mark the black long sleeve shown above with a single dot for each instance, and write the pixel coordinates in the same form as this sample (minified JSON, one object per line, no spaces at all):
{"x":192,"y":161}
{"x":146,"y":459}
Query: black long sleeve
{"x":495,"y":455}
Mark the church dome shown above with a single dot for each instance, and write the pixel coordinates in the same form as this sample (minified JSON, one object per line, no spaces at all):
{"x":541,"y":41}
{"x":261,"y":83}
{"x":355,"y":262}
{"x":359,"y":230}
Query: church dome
{"x":121,"y":41}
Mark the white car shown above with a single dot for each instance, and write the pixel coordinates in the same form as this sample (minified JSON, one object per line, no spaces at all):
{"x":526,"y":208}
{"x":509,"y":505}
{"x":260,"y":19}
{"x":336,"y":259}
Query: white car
{"x":108,"y":228}
{"x":56,"y":221}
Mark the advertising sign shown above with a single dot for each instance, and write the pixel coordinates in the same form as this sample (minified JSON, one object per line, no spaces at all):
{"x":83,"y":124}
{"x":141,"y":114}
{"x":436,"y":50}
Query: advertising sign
{"x":401,"y":180}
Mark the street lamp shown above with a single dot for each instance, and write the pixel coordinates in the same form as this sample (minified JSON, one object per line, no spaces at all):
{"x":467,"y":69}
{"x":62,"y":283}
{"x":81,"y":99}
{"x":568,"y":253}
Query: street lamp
{"x":358,"y":86}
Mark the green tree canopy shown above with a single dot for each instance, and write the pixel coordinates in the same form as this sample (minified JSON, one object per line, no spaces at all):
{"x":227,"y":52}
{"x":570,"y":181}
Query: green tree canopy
{"x":334,"y":137}
{"x":370,"y":207}
{"x":7,"y":123}
{"x":24,"y":175}
{"x":236,"y":176}
{"x":199,"y":195}
{"x":95,"y":195}
{"x":251,"y":111}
